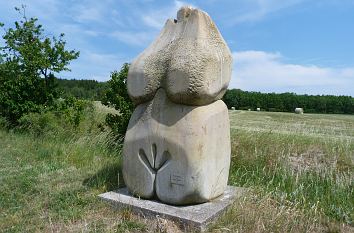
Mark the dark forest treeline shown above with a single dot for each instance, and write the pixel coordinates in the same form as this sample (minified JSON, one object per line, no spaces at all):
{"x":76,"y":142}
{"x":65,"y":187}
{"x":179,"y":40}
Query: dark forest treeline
{"x":287,"y":102}
{"x":81,"y":89}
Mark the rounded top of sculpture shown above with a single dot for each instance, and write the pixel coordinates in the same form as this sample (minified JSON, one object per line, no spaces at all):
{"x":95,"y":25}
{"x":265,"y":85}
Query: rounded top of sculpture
{"x":184,"y":12}
{"x":189,"y":59}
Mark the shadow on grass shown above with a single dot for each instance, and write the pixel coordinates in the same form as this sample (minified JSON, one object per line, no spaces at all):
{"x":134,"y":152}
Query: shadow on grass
{"x":109,"y":177}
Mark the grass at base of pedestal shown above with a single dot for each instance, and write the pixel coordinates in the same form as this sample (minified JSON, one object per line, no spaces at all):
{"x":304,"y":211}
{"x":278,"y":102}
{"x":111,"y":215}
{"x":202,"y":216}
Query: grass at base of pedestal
{"x":300,"y":168}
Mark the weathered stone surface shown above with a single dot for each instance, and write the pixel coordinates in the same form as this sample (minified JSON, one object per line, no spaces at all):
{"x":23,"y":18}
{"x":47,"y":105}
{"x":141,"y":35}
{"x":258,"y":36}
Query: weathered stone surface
{"x":177,"y":146}
{"x":178,"y":153}
{"x":189,"y":218}
{"x":189,"y":59}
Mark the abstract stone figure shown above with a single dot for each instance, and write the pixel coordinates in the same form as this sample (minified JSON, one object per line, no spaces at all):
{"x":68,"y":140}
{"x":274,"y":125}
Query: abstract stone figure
{"x":177,"y":146}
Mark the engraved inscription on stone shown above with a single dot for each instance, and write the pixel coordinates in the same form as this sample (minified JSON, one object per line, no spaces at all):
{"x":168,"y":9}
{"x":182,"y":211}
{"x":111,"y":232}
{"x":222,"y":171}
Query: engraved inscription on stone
{"x":177,"y":179}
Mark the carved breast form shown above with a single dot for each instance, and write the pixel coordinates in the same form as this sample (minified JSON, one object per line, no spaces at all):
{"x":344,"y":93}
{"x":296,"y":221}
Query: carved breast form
{"x":189,"y":59}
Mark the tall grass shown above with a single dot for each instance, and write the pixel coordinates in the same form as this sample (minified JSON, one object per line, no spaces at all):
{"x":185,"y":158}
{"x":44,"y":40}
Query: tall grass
{"x":285,"y":158}
{"x":50,"y":179}
{"x":299,"y":171}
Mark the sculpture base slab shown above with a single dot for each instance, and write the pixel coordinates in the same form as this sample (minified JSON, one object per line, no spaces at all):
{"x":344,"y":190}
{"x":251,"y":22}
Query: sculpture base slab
{"x":196,"y":217}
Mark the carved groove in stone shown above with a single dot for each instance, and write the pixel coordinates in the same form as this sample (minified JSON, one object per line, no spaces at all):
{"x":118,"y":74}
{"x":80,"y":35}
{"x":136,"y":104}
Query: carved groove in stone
{"x":166,"y":156}
{"x":145,"y":161}
{"x":155,"y":165}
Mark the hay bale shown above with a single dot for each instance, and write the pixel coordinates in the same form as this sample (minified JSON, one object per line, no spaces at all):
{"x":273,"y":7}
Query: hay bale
{"x":299,"y":110}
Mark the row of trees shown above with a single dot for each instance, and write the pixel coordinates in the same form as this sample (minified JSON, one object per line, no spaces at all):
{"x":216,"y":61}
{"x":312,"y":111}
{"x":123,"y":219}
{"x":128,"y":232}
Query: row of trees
{"x":287,"y":102}
{"x":82,"y":89}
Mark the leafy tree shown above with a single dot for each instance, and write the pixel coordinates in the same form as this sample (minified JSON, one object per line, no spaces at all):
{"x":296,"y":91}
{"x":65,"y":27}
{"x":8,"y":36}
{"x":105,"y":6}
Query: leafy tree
{"x":28,"y":62}
{"x":117,"y":97}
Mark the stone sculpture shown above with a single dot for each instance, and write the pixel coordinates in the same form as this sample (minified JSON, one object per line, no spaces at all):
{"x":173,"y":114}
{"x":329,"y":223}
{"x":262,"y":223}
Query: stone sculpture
{"x":177,"y":146}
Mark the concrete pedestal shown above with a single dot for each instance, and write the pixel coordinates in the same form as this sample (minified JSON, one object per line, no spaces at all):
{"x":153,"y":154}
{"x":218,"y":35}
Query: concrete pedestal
{"x":196,"y":217}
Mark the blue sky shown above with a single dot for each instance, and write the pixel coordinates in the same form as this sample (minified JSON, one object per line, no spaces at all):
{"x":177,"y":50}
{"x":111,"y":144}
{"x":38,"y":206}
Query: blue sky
{"x":301,"y":46}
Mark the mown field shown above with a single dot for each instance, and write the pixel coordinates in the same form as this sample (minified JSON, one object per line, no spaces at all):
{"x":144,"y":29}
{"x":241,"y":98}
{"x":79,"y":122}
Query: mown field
{"x":299,"y":170}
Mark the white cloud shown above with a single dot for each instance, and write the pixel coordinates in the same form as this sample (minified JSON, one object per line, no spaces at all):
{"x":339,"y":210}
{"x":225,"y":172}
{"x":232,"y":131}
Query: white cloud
{"x":133,"y":38}
{"x":262,"y":71}
{"x":87,"y":13}
{"x":92,"y":65}
{"x":94,"y":12}
{"x":158,"y":17}
{"x":258,"y":9}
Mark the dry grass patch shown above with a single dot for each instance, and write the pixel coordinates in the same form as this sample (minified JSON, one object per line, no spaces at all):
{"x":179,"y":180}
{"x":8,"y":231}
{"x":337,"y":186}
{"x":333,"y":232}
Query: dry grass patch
{"x":261,"y":213}
{"x":313,"y":159}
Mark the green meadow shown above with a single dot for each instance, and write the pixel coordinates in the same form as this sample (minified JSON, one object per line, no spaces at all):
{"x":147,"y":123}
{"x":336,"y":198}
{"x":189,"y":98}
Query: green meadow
{"x":298,"y":170}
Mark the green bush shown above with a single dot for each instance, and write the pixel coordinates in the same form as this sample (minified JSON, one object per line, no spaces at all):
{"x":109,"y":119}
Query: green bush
{"x":72,"y":110}
{"x":21,"y":94}
{"x":118,"y":98}
{"x":3,"y":123}
{"x":63,"y":116}
{"x":39,"y":123}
